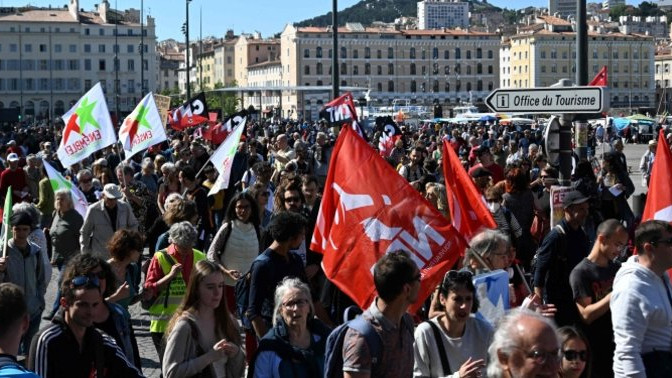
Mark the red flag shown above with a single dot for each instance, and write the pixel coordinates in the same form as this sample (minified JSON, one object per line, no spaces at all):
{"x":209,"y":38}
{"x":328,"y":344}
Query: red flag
{"x":342,"y":111}
{"x":600,"y":80}
{"x":367,"y":210}
{"x":659,"y":199}
{"x":212,"y":118}
{"x":216,"y":133}
{"x":467,"y":209}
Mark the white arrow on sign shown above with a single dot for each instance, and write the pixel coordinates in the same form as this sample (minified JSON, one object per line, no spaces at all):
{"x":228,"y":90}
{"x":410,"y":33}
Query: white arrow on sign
{"x":548,"y":100}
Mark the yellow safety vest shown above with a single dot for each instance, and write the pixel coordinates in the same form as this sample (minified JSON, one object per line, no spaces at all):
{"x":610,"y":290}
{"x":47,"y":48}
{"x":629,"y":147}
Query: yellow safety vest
{"x":159,"y":314}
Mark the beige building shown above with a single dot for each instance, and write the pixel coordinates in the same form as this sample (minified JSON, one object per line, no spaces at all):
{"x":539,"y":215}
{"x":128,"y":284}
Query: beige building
{"x":445,"y":66}
{"x":544,"y":53}
{"x":225,"y":62}
{"x":251,"y":50}
{"x":170,"y":54}
{"x":50,"y":57}
{"x":267,"y":74}
{"x":663,"y":77}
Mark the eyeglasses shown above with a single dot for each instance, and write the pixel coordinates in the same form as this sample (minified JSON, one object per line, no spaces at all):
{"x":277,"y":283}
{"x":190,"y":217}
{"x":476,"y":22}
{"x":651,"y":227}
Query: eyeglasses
{"x":295,"y":303}
{"x":88,"y":279}
{"x":541,"y":357}
{"x":663,"y":241}
{"x":571,"y":355}
{"x":292,"y":199}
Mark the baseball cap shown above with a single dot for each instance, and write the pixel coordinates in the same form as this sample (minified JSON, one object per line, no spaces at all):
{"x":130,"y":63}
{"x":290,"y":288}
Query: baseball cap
{"x":573,"y":198}
{"x":13,"y":157}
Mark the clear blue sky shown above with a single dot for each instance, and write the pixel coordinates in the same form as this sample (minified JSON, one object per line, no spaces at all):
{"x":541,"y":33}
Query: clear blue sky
{"x":266,"y":16}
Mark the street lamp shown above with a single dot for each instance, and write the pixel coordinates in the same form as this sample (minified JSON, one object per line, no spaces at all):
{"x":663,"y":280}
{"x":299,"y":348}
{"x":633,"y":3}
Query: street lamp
{"x":188,"y":51}
{"x":334,"y":56}
{"x":142,"y":48}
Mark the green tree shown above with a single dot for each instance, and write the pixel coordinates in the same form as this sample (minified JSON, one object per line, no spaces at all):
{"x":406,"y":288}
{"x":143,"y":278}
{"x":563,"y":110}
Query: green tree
{"x":618,"y":11}
{"x":647,"y":9}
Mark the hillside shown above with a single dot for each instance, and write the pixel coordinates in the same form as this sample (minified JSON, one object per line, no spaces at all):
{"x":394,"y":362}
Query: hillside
{"x":368,"y":11}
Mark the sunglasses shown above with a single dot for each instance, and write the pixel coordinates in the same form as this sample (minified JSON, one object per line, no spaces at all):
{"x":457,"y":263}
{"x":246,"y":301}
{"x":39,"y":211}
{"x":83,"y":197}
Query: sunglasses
{"x":80,"y":281}
{"x":292,"y":199}
{"x":571,"y":355}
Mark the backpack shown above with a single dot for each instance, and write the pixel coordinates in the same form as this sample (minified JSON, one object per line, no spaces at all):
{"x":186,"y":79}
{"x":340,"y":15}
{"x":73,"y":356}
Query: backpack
{"x":561,"y":246}
{"x":333,"y":356}
{"x":242,"y":293}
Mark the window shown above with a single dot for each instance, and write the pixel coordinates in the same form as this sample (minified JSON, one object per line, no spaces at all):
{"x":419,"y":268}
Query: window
{"x":355,"y":54}
{"x":594,"y":53}
{"x":43,"y":65}
{"x":43,"y":47}
{"x":390,"y":53}
{"x":129,"y":49}
{"x":306,"y":70}
{"x":435,"y":86}
{"x":479,"y":68}
{"x":458,"y":53}
{"x":424,"y":70}
{"x":435,"y":55}
{"x":390,"y":86}
{"x":468,"y":70}
{"x":412,"y":53}
{"x":479,"y":53}
{"x":413,"y":69}
{"x":490,"y":54}
{"x":468,"y":54}
{"x":615,"y":55}
{"x":355,"y":70}
{"x":379,"y":87}
{"x":424,"y":54}
{"x":344,"y":69}
{"x":490,"y":69}
{"x":28,"y":48}
{"x":390,"y":69}
{"x":344,"y":53}
{"x":318,"y":69}
{"x":367,"y":69}
{"x":414,"y":86}
{"x":306,"y":53}
{"x":43,"y":84}
{"x":13,"y":47}
{"x":379,"y":54}
{"x":446,"y":87}
{"x":446,"y":70}
{"x":131,"y":65}
{"x":318,"y":52}
{"x":367,"y":53}
{"x":73,"y":64}
{"x":131,"y":86}
{"x":543,"y":69}
{"x":554,"y":55}
{"x":446,"y":55}
{"x":101,"y":48}
{"x":101,"y":65}
{"x":479,"y":85}
{"x":87,"y":64}
{"x":72,"y":48}
{"x":87,"y":48}
{"x":379,"y":70}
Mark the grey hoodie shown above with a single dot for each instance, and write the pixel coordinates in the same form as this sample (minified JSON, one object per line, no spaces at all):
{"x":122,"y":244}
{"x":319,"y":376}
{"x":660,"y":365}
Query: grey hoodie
{"x":28,"y":273}
{"x":641,"y":313}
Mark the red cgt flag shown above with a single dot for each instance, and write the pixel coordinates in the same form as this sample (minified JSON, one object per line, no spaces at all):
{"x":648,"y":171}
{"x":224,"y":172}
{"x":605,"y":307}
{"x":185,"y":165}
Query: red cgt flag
{"x":659,"y":199}
{"x":468,"y":213}
{"x":600,"y":80}
{"x":368,"y":209}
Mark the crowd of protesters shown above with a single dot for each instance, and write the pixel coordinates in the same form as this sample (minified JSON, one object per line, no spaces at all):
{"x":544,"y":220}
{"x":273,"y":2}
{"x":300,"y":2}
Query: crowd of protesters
{"x":253,"y":239}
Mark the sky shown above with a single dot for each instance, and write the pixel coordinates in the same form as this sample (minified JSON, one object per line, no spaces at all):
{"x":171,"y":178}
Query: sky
{"x":243,"y":16}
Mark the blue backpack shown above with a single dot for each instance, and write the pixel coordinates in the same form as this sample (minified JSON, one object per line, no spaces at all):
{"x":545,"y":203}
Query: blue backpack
{"x":333,"y":357}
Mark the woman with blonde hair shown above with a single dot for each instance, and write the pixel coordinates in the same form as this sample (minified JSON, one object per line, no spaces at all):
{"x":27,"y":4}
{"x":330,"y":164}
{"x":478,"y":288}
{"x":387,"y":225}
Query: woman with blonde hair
{"x":435,"y":193}
{"x":202,"y":337}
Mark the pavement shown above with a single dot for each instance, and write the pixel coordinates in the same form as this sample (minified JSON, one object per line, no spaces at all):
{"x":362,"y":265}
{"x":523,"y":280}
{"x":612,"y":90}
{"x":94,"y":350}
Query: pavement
{"x":140,"y":317}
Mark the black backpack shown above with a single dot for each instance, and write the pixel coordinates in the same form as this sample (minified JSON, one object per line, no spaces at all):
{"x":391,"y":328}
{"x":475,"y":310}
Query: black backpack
{"x":242,"y":292}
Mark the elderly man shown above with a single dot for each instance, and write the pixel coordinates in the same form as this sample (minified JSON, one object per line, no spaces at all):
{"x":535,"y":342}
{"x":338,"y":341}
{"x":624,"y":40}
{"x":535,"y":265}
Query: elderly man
{"x":103,"y":219}
{"x":281,"y":152}
{"x":525,"y":345}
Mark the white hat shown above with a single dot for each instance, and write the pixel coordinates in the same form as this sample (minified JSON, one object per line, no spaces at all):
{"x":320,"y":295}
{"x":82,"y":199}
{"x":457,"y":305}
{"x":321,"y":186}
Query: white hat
{"x":13,"y":157}
{"x":653,"y":142}
{"x":112,"y":191}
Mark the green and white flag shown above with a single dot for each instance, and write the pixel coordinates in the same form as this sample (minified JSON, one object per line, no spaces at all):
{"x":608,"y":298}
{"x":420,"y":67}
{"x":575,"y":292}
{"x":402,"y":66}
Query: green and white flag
{"x":222,"y":158}
{"x":59,"y":182}
{"x":6,"y":227}
{"x":142,"y":128}
{"x":88,"y":128}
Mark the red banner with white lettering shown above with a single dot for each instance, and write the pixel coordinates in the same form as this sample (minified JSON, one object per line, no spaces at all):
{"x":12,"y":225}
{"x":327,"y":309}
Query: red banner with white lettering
{"x":367,"y":210}
{"x":468,"y":212}
{"x":341,"y":111}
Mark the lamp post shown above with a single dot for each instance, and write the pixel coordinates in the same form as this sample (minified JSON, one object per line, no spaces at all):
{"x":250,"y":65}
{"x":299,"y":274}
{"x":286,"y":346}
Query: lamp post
{"x":142,"y":48}
{"x":186,"y":33}
{"x":334,"y":56}
{"x":116,"y":62}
